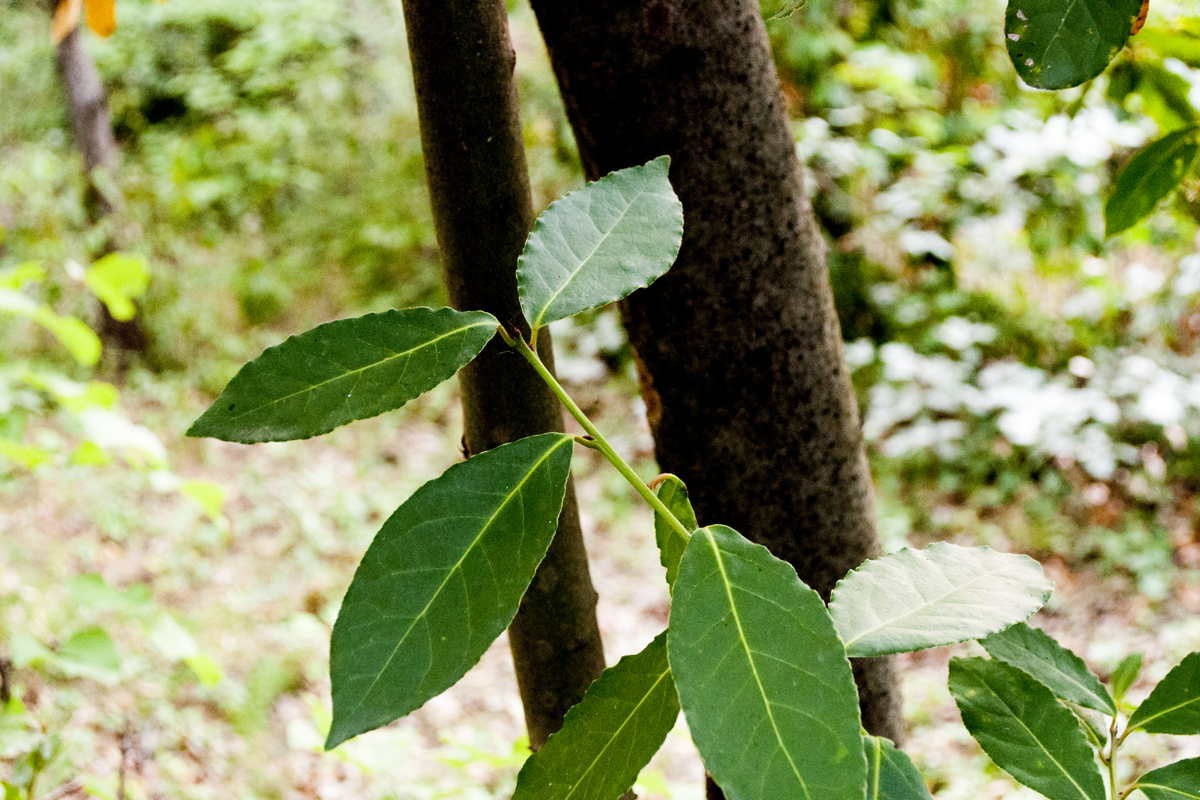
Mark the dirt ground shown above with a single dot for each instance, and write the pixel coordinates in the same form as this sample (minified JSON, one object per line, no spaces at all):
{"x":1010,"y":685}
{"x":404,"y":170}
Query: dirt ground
{"x":258,"y":589}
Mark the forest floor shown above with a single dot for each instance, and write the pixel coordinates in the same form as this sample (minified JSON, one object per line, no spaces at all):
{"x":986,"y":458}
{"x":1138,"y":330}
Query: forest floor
{"x":257,"y":588}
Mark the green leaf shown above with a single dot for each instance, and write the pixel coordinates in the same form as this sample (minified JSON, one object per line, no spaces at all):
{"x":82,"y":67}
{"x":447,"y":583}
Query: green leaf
{"x":1059,"y":43}
{"x":915,"y":599}
{"x":442,"y":579}
{"x":600,"y":243}
{"x":1028,"y":733}
{"x":1174,"y":705}
{"x":344,"y":371}
{"x":22,"y":454}
{"x":1152,"y":174}
{"x":1125,"y":674}
{"x":671,"y":544}
{"x":1038,"y":655}
{"x":117,"y":280}
{"x":80,"y":341}
{"x":89,"y":653}
{"x":890,"y":773}
{"x":609,"y":735}
{"x":1178,"y":781}
{"x":18,"y":277}
{"x":762,"y":677}
{"x":209,"y":496}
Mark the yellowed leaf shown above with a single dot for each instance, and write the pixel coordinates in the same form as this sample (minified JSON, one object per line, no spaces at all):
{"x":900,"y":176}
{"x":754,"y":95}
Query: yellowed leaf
{"x":101,"y":16}
{"x":66,"y":19}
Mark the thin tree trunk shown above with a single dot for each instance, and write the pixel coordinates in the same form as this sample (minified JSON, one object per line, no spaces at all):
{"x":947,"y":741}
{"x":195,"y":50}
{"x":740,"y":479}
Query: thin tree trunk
{"x":739,"y":348}
{"x":92,"y":128}
{"x":475,"y":162}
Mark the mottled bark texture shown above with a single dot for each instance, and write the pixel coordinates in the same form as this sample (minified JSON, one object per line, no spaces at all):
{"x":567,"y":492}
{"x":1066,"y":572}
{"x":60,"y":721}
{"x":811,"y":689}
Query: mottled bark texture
{"x":91,"y":125}
{"x":463,"y":69}
{"x":738,"y":345}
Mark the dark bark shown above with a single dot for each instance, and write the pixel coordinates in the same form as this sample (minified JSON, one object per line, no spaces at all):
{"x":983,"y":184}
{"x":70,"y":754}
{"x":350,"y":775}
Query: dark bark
{"x":92,"y":129}
{"x":463,"y":69}
{"x":738,"y":345}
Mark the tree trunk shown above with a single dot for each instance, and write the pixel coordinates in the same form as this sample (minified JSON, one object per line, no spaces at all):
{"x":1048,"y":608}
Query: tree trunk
{"x":92,"y":129}
{"x":475,"y":162}
{"x":738,"y":345}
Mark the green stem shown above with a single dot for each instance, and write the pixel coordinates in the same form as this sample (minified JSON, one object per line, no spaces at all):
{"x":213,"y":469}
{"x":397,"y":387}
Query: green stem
{"x":1111,"y":761}
{"x":599,"y":442}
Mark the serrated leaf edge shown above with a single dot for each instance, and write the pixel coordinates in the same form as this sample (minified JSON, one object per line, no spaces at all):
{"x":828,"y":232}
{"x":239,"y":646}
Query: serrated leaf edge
{"x":198,"y":428}
{"x":563,"y":438}
{"x":575,"y":711}
{"x":833,"y":599}
{"x":539,"y":225}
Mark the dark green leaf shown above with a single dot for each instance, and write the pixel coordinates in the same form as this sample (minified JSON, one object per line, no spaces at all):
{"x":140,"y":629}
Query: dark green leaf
{"x":670,"y":543}
{"x":890,"y":773}
{"x":1035,"y":653}
{"x":1125,"y":674}
{"x":914,"y":599}
{"x":1174,"y":705}
{"x":1059,"y":43}
{"x":1152,"y":174}
{"x":608,"y":736}
{"x":762,"y":677}
{"x":1178,"y":781}
{"x":600,"y":243}
{"x":442,"y":579}
{"x":1028,"y":733}
{"x":344,"y":371}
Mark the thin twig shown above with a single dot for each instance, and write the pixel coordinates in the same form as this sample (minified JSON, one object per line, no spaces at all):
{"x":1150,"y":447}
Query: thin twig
{"x":5,"y":680}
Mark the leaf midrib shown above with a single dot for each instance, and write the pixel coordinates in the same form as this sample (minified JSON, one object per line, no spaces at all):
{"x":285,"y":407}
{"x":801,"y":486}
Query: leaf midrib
{"x":632,"y":713}
{"x":1054,"y":36}
{"x":892,"y":621}
{"x":1171,"y":789}
{"x":728,"y":586}
{"x":545,"y":309}
{"x":1049,"y":662}
{"x":516,"y":490}
{"x":1142,"y":723}
{"x":1037,"y":740}
{"x":358,"y":370}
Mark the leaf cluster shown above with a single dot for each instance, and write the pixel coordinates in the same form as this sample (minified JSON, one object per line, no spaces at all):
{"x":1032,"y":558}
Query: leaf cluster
{"x":756,"y":660}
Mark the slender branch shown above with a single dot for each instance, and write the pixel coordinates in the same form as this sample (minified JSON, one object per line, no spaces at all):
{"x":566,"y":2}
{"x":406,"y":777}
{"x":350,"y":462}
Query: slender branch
{"x":598,"y":441}
{"x":1111,"y":760}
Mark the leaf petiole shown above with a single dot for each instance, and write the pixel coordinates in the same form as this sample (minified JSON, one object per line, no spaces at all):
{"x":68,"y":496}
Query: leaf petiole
{"x":598,"y":441}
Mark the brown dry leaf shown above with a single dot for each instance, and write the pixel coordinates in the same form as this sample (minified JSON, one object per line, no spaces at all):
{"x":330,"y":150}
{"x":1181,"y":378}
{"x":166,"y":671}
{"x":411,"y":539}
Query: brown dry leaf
{"x":101,"y":16}
{"x":66,"y":19}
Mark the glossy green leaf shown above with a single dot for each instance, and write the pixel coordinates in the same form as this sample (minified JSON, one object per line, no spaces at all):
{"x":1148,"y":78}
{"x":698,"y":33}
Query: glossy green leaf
{"x":118,"y":279}
{"x":1028,"y":733}
{"x":1059,"y":43}
{"x":1178,"y":781}
{"x":1125,"y":674}
{"x":599,"y":244}
{"x":1174,"y":705}
{"x":914,"y":599}
{"x":608,"y":736}
{"x":442,"y":579}
{"x":890,"y":773}
{"x":1152,"y":174}
{"x":1037,"y":654}
{"x":671,"y":543}
{"x":762,"y":677}
{"x":344,"y":371}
